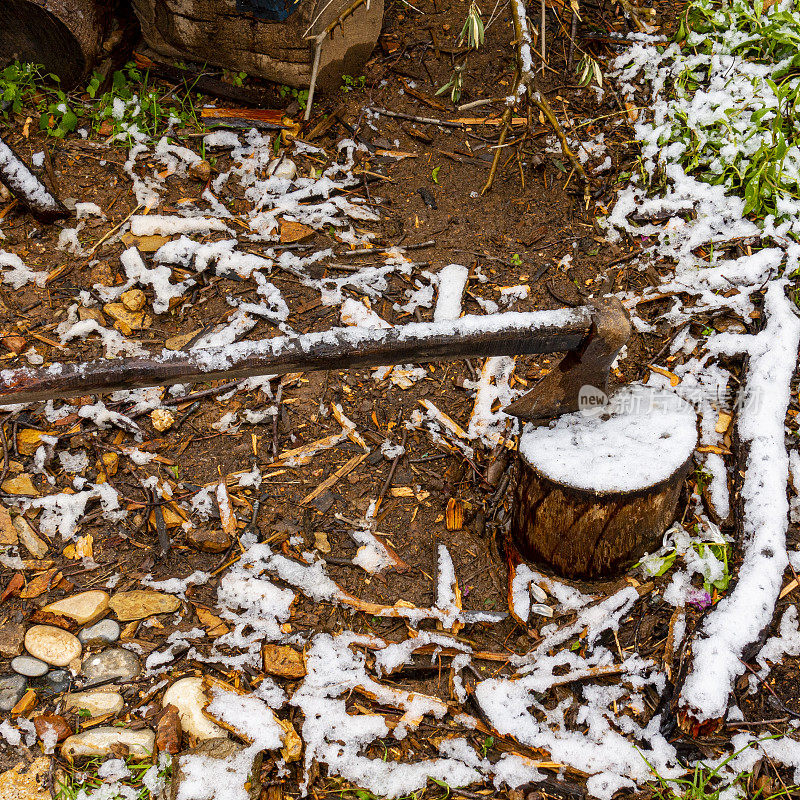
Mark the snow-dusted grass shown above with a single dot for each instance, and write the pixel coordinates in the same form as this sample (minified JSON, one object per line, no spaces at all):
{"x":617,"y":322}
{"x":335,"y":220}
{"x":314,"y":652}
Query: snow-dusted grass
{"x":720,"y":155}
{"x":732,"y":120}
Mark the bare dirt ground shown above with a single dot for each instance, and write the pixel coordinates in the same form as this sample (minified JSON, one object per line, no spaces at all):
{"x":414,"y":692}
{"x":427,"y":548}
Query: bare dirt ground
{"x":518,"y":233}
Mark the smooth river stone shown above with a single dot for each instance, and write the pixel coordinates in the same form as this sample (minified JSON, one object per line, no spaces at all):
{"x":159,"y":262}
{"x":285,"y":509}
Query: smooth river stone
{"x":188,"y":697}
{"x":53,"y":645}
{"x":12,"y":687}
{"x":101,"y":741}
{"x":106,"y":631}
{"x":29,"y":666}
{"x":142,"y":603}
{"x":97,"y":702}
{"x":115,"y":664}
{"x":84,"y":608}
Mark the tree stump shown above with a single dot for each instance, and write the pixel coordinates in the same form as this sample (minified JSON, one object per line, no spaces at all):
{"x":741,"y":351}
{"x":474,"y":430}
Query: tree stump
{"x":234,"y":35}
{"x":65,"y":36}
{"x":597,"y":489}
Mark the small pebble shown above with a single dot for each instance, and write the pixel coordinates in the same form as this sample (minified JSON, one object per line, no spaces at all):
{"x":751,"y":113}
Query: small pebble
{"x":106,"y":631}
{"x":85,"y":608}
{"x":12,"y":688}
{"x":114,"y":664}
{"x":142,"y":603}
{"x":53,"y":645}
{"x":11,"y":637}
{"x":57,"y":681}
{"x":134,"y":300}
{"x":52,"y":725}
{"x":29,"y":666}
{"x":97,"y":703}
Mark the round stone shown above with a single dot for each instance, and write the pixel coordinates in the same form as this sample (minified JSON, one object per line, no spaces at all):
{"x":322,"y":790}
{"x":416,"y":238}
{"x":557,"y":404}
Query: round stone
{"x":97,"y":703}
{"x":114,"y":664}
{"x":29,"y":667}
{"x":53,"y":645}
{"x":106,"y":631}
{"x":12,"y":687}
{"x":102,"y":741}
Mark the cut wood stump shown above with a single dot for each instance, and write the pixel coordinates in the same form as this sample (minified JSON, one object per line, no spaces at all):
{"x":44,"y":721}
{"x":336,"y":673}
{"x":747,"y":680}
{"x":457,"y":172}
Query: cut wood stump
{"x":597,"y":489}
{"x":65,"y":36}
{"x":238,"y":35}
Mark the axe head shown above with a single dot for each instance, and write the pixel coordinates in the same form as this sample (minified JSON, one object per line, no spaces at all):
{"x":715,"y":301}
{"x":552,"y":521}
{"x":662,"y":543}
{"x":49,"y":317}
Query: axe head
{"x":581,"y":370}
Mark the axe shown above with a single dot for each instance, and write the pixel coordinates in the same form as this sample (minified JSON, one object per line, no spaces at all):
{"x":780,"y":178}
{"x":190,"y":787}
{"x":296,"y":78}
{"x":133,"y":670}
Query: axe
{"x":592,"y":335}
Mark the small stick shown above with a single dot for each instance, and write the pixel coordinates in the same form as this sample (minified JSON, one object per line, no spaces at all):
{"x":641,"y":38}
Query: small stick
{"x":388,"y":482}
{"x":425,"y":120}
{"x":28,"y":188}
{"x":544,"y":59}
{"x":572,"y":35}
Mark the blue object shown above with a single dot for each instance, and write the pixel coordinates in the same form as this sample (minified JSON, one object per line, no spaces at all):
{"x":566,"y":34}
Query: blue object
{"x":275,"y":10}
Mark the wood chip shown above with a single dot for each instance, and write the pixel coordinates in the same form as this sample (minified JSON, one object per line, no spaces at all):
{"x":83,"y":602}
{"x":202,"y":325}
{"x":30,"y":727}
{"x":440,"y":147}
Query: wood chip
{"x":345,"y":469}
{"x":283,"y":661}
{"x":295,"y":232}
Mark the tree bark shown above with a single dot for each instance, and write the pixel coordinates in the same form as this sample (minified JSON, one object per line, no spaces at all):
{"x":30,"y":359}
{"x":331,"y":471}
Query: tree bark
{"x":215,"y":31}
{"x":65,"y":36}
{"x":582,"y":534}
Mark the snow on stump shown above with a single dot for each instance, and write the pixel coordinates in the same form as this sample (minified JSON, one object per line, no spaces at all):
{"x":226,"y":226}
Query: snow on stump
{"x":66,"y":36}
{"x":597,"y":489}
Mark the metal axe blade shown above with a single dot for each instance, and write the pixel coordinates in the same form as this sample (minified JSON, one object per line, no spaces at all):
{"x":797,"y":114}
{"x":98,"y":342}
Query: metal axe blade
{"x":587,"y":366}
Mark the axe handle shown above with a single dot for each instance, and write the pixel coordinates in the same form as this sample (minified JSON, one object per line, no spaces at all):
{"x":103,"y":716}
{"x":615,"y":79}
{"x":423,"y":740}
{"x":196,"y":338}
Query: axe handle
{"x":511,"y":333}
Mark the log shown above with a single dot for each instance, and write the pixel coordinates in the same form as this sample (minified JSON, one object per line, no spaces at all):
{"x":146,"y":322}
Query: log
{"x":239,"y":35}
{"x":65,"y":36}
{"x":598,"y":488}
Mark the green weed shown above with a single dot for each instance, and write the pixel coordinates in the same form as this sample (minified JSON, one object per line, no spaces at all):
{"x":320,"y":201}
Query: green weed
{"x":704,"y":783}
{"x":133,"y":104}
{"x":69,"y":784}
{"x":301,"y":95}
{"x":751,"y":143}
{"x":350,"y":84}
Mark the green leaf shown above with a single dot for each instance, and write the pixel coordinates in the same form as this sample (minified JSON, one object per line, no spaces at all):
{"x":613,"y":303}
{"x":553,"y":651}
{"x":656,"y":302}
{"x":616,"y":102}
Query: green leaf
{"x":435,"y":174}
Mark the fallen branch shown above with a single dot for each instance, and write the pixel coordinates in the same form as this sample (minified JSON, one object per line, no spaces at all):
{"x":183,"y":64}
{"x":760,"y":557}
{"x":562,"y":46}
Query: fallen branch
{"x":27,"y":187}
{"x":735,"y":626}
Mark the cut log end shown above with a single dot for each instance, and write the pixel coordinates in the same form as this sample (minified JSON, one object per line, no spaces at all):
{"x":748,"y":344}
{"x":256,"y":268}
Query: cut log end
{"x":218,"y":32}
{"x":595,"y":492}
{"x":64,"y":36}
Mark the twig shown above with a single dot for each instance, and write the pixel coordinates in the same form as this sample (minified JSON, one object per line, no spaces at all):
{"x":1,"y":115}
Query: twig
{"x":388,"y":482}
{"x":525,"y":82}
{"x":172,"y":401}
{"x":572,"y":36}
{"x":318,"y":39}
{"x":412,"y":118}
{"x":544,"y":34}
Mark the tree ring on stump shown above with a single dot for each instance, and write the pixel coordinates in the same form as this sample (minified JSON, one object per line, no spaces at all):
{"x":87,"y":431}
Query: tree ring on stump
{"x":597,"y":489}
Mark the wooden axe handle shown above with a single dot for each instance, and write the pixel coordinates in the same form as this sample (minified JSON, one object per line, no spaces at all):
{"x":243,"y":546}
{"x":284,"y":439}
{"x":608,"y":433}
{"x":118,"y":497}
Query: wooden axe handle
{"x":512,"y":333}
